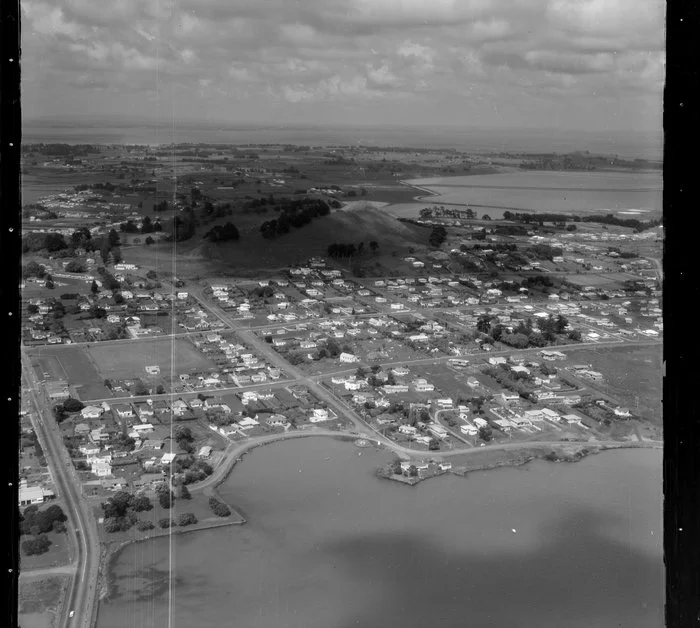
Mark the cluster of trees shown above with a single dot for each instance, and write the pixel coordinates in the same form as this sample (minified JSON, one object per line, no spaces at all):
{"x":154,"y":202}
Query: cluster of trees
{"x":218,"y":507}
{"x":448,"y":212}
{"x":544,"y":251}
{"x":147,"y":226}
{"x":37,"y":545}
{"x":166,"y":498}
{"x":183,"y":438}
{"x":561,"y":219}
{"x":294,"y":213}
{"x":35,"y":522}
{"x":340,"y":250}
{"x":190,"y":470}
{"x":223,"y":233}
{"x":182,"y":520}
{"x":33,"y":269}
{"x":51,"y":242}
{"x":184,"y":225}
{"x":437,"y":236}
{"x":119,"y":510}
{"x":526,"y":334}
{"x":69,"y":406}
{"x":516,"y":382}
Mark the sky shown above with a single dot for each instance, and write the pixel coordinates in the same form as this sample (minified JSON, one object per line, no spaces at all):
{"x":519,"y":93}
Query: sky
{"x":567,"y":64}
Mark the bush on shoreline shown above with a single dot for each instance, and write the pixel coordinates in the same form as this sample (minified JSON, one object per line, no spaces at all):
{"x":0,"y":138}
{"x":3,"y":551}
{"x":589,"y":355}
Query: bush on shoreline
{"x":219,"y":508}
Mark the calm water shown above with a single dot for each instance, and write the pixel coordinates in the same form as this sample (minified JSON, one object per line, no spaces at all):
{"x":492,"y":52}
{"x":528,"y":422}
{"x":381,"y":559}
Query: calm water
{"x":582,"y":192}
{"x":625,"y":144}
{"x":331,"y":546}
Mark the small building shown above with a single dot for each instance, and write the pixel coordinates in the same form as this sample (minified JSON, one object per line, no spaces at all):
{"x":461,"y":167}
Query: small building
{"x":204,"y":452}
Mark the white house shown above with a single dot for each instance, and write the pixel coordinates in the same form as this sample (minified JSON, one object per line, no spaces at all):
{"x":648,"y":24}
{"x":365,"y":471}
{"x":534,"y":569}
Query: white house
{"x":422,"y":385}
{"x":91,"y":412}
{"x":319,"y":415}
{"x":348,"y":358}
{"x":408,"y":429}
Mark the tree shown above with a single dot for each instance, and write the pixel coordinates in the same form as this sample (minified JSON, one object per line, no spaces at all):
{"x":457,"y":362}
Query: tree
{"x":141,"y":503}
{"x":75,"y":266}
{"x":94,"y":287}
{"x":113,"y":238}
{"x":396,"y":467}
{"x":73,"y":405}
{"x":166,"y":499}
{"x":437,"y":236}
{"x":434,"y":444}
{"x":485,"y":433}
{"x":143,"y":525}
{"x":166,"y":523}
{"x":219,"y":508}
{"x":184,"y":492}
{"x":186,"y":519}
{"x":149,"y":240}
{"x":373,"y":246}
{"x":38,"y":545}
{"x":104,"y":251}
{"x":116,"y":254}
{"x":413,"y":471}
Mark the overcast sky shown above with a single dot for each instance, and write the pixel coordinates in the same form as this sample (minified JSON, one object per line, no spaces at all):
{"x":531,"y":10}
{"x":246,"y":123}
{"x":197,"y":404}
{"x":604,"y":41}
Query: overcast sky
{"x":581,"y":64}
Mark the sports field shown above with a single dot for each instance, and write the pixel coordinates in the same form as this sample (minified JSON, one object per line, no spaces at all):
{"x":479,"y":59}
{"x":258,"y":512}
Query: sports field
{"x":127,"y":360}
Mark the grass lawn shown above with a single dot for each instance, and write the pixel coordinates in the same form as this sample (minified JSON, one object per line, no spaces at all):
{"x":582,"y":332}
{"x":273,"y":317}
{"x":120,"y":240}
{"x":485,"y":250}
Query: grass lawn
{"x":59,"y":553}
{"x":39,"y":598}
{"x":130,"y":360}
{"x":633,"y":376}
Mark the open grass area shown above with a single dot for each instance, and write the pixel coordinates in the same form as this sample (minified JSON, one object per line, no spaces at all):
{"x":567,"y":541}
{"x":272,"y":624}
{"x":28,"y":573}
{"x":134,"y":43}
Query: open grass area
{"x":633,"y":376}
{"x":72,"y":364}
{"x":129,"y":360}
{"x":37,"y":596}
{"x":58,"y":554}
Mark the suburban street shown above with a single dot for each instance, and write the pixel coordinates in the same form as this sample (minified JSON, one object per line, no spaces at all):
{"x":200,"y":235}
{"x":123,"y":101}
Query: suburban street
{"x":82,"y":596}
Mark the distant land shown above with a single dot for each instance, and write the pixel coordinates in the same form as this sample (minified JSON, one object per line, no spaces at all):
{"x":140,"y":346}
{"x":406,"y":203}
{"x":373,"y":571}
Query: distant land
{"x":92,"y":129}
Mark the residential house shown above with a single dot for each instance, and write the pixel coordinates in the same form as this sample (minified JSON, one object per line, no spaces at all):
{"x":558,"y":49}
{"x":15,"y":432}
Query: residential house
{"x":123,"y":410}
{"x":422,"y":385}
{"x":204,"y":452}
{"x":91,"y":412}
{"x":319,"y":415}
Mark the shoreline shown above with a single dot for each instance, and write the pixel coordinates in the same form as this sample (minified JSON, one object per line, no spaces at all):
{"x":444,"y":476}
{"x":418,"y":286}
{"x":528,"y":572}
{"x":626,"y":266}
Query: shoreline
{"x":111,"y":550}
{"x":568,"y":452}
{"x":429,"y":197}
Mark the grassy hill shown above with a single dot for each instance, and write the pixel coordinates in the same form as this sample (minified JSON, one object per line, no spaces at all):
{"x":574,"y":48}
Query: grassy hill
{"x":253,"y":251}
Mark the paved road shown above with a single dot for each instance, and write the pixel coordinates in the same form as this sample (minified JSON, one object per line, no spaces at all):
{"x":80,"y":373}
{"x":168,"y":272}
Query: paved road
{"x":83,"y":589}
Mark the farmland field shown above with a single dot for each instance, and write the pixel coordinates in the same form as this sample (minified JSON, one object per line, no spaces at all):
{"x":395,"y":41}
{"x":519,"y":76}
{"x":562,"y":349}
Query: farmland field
{"x":129,"y":360}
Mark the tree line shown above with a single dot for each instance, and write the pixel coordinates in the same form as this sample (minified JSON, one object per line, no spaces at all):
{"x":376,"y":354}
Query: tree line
{"x":294,"y":213}
{"x":339,"y":250}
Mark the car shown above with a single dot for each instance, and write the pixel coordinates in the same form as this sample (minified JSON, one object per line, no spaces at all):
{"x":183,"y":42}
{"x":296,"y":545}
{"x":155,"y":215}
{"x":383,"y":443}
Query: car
{"x":71,"y":614}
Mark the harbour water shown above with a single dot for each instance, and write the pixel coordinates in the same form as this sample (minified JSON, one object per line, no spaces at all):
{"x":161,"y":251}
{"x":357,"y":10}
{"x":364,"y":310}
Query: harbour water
{"x":329,"y":545}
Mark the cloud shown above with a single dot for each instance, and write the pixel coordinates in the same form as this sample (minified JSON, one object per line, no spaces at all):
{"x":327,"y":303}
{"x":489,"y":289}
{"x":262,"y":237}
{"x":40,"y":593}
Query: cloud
{"x":349,"y":52}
